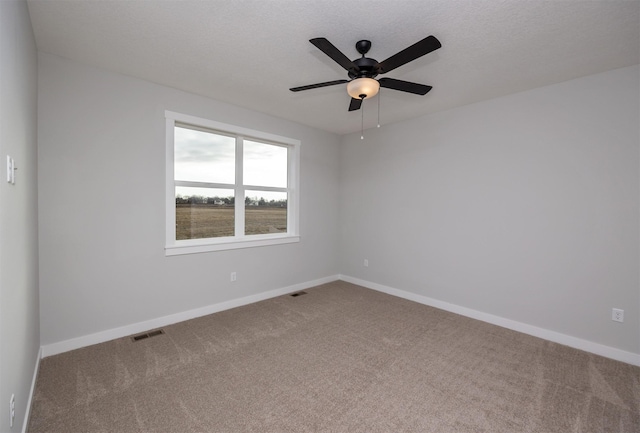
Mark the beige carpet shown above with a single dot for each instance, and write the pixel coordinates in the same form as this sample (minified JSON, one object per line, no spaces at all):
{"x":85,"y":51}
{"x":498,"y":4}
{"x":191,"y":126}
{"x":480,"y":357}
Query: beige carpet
{"x":341,"y":358}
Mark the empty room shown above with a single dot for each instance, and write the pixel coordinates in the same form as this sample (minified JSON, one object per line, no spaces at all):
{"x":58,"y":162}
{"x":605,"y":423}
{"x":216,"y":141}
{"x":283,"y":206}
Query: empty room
{"x":320,"y":216}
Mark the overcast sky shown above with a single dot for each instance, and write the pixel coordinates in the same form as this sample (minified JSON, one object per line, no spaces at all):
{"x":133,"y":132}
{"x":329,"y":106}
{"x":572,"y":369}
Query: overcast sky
{"x":207,"y":157}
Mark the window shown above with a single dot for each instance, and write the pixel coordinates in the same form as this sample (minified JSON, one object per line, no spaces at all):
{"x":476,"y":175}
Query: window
{"x":228,"y":187}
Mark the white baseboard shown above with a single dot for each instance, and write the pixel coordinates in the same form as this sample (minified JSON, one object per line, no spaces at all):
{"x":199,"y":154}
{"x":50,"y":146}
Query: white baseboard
{"x":135,"y":328}
{"x":556,"y":337}
{"x":27,"y":412}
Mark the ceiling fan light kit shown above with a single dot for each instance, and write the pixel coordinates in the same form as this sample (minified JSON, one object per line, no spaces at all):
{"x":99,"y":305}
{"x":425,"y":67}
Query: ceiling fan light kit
{"x":362,"y":88}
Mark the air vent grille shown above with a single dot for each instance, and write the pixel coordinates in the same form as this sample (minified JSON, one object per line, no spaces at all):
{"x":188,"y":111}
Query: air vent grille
{"x":147,"y":335}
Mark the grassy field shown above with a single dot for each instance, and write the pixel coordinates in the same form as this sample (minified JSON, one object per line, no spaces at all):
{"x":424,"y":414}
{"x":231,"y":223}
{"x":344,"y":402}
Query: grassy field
{"x":196,"y":221}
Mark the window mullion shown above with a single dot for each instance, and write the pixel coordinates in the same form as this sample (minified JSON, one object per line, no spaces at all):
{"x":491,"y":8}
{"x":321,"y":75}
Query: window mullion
{"x":189,"y":183}
{"x":265,"y":188}
{"x":239,"y":188}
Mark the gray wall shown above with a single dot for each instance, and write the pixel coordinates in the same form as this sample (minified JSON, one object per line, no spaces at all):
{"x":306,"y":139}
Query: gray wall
{"x":102,"y":206}
{"x":525,"y":207}
{"x":19,"y":322}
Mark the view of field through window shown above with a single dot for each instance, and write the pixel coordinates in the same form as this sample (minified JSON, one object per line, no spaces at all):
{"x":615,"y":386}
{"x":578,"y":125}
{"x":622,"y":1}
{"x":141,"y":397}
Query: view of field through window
{"x":199,"y":217}
{"x":205,"y":167}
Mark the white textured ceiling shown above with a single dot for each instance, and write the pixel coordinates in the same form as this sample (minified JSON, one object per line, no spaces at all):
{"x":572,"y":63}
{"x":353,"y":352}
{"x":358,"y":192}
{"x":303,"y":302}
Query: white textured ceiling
{"x":251,"y":52}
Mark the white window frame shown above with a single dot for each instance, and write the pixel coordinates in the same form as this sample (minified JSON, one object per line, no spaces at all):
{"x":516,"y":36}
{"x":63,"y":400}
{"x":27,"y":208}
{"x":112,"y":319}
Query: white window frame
{"x":240,"y":240}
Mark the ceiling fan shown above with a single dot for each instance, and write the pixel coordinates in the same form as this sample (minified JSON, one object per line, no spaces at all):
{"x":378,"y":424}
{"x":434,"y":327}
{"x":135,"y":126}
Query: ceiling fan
{"x":362,"y":71}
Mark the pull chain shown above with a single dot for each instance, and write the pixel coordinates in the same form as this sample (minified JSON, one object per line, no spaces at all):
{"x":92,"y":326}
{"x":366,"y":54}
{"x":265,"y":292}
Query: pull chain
{"x":362,"y":122}
{"x":378,"y":110}
{"x":362,"y":125}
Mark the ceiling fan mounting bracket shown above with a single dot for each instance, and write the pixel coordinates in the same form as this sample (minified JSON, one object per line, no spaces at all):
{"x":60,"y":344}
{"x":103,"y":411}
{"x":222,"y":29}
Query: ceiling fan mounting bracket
{"x":363,"y":46}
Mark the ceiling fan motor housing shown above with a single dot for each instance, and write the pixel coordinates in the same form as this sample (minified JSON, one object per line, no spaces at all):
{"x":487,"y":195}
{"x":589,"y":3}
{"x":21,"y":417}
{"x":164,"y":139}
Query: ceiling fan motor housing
{"x":368,"y":68}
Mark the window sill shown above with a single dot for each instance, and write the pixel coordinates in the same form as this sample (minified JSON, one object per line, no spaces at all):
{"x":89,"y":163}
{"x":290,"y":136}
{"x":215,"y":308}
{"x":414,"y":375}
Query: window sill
{"x":208,"y":245}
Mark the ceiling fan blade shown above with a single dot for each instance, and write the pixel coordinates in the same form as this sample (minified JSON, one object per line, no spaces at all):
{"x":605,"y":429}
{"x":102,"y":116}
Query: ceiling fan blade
{"x":315,"y":86}
{"x":404,"y":86}
{"x":419,"y":49}
{"x":355,"y":104}
{"x":330,"y":50}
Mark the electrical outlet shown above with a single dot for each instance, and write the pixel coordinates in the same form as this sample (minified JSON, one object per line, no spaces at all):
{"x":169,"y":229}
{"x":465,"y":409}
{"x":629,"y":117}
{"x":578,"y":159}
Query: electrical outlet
{"x":12,"y":409}
{"x":366,"y":263}
{"x":234,"y":276}
{"x":617,"y":315}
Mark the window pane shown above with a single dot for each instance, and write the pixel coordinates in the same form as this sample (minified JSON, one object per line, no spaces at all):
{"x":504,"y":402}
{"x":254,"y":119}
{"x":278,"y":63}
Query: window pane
{"x":204,"y":213}
{"x":264,"y":164}
{"x":265,"y":212}
{"x":204,"y":156}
